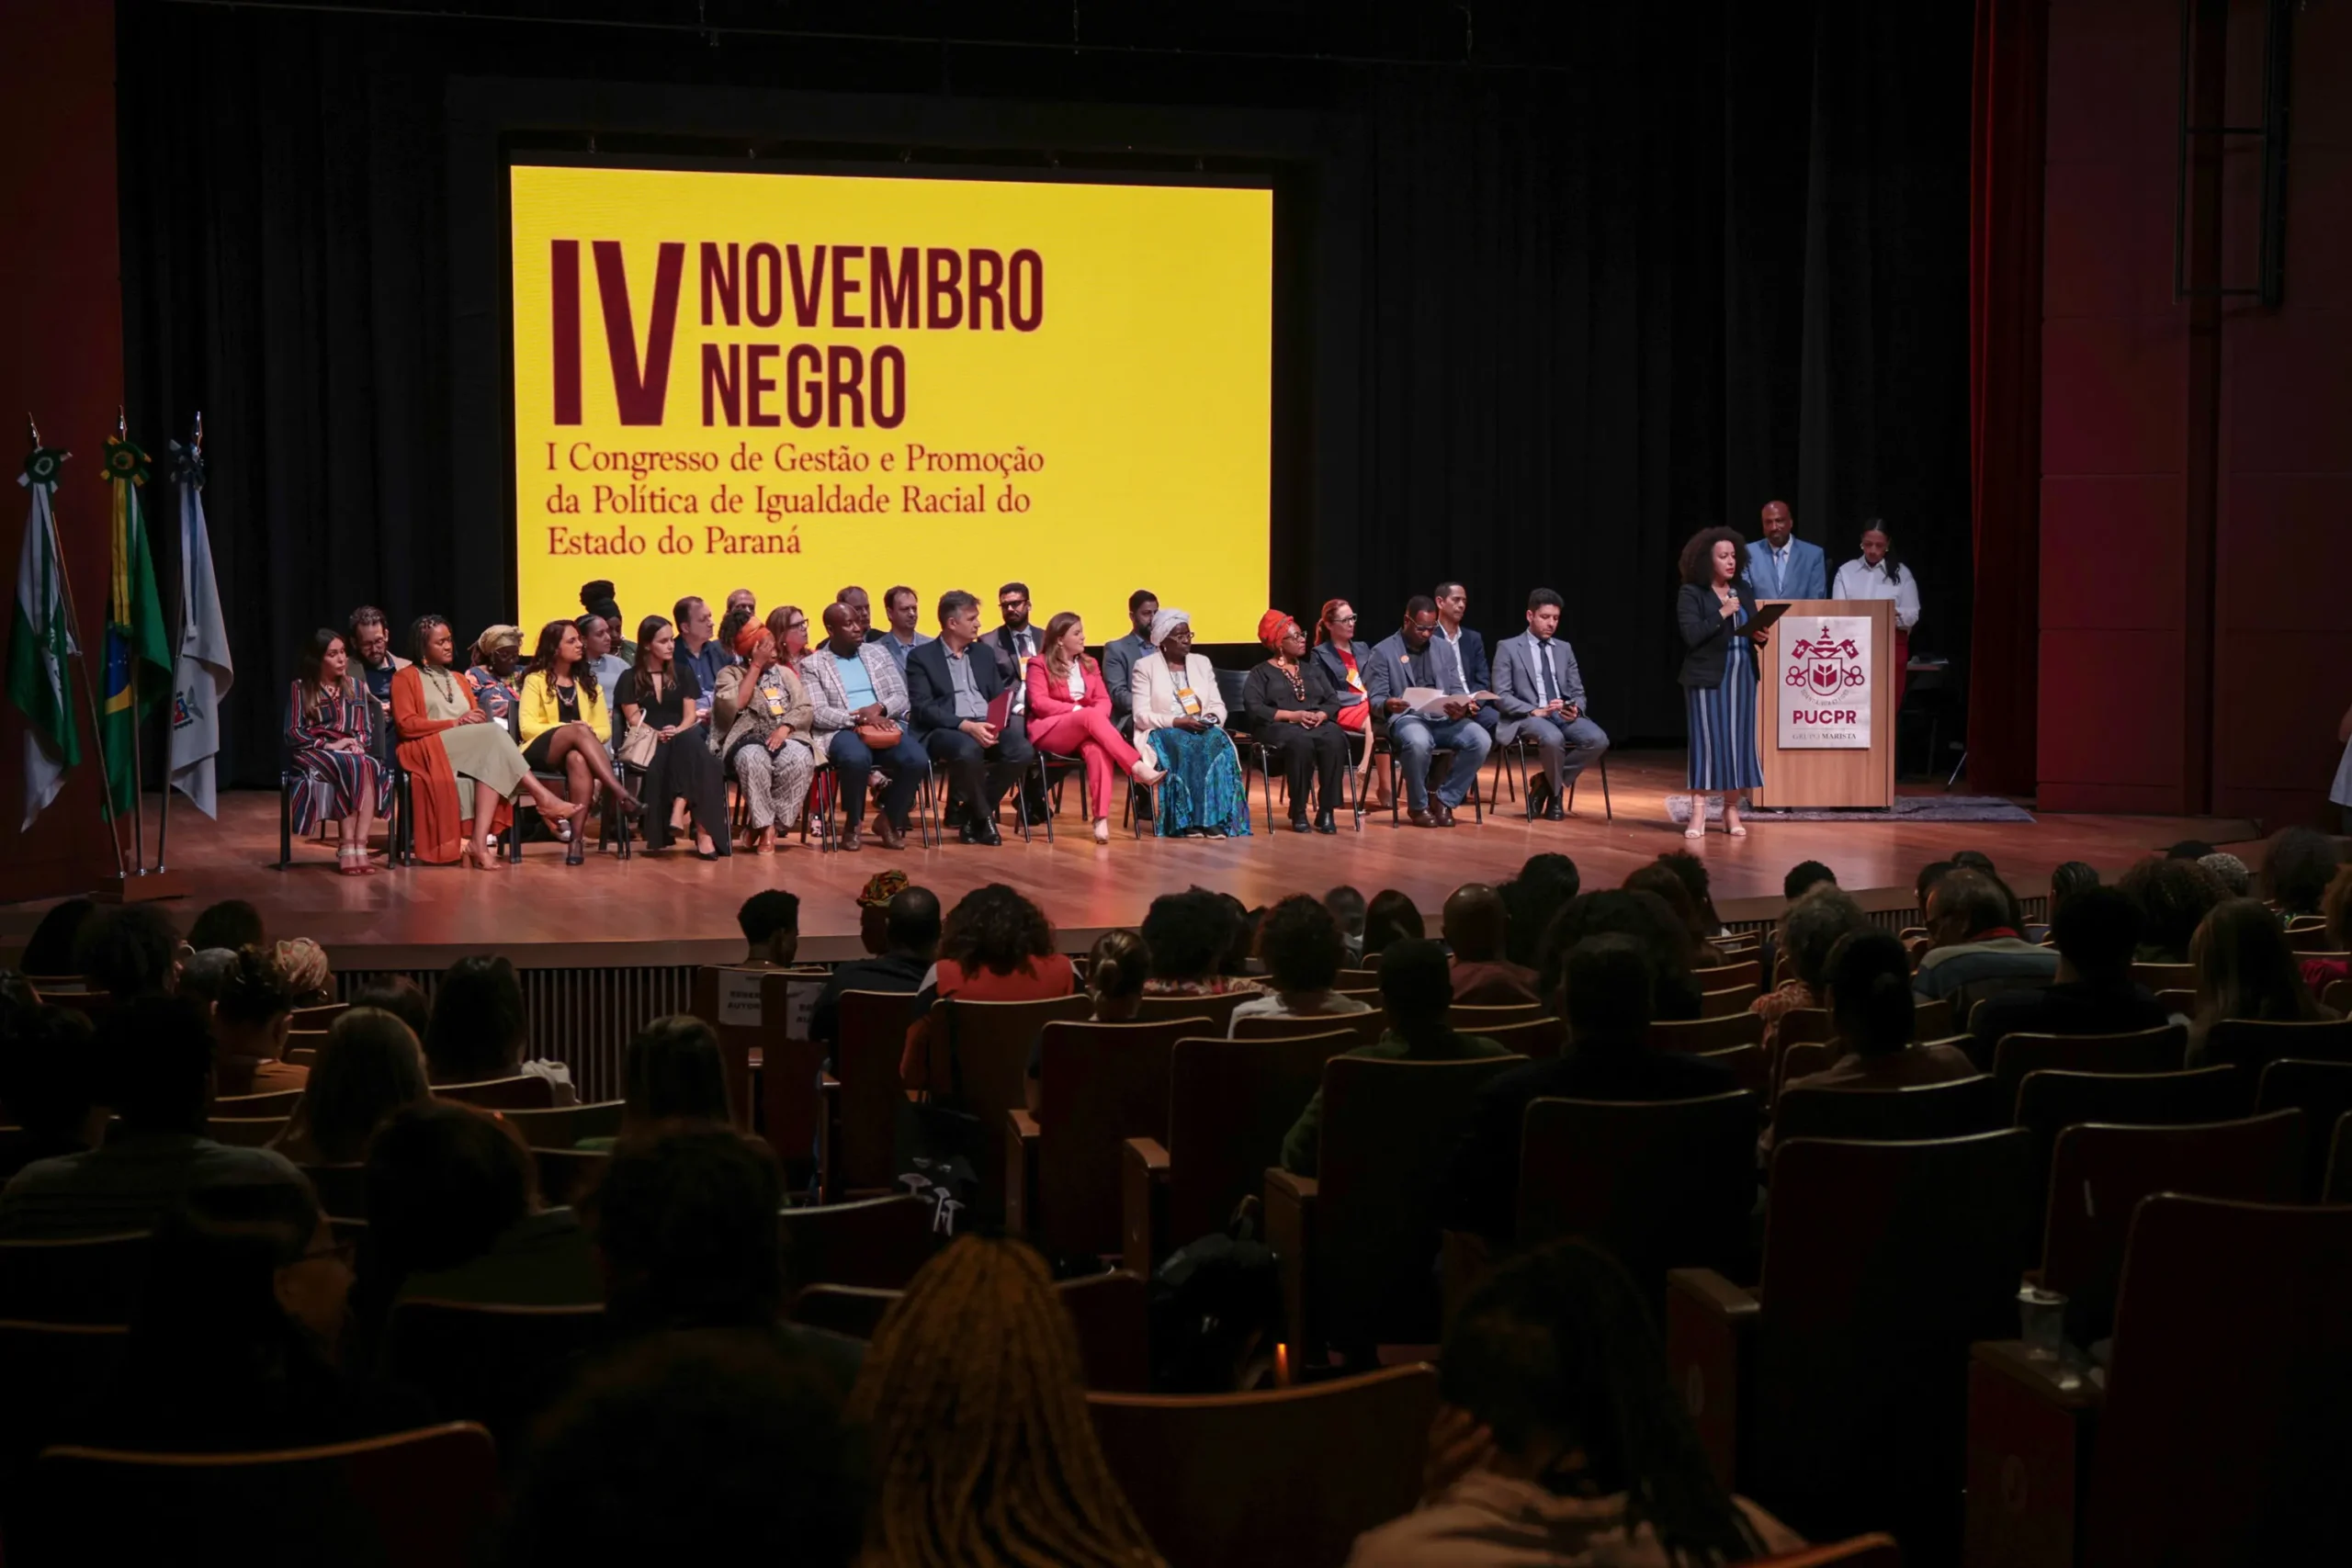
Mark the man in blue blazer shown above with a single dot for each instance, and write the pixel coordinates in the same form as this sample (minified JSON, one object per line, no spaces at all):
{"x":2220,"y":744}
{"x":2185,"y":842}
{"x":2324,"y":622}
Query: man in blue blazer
{"x":1540,"y":692}
{"x":1400,"y":663}
{"x":1779,"y":565}
{"x":951,"y":680}
{"x":1461,"y":653}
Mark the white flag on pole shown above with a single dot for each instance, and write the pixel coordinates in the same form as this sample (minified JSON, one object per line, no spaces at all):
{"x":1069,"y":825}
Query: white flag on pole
{"x":203,"y":673}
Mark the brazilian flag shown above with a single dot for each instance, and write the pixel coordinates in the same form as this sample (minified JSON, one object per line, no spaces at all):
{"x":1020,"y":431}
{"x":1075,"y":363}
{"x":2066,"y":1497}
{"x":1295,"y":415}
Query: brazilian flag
{"x":139,"y":655}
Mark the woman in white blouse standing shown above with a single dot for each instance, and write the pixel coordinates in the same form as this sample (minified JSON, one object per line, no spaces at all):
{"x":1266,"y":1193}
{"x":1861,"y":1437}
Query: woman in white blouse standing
{"x":1180,"y":721}
{"x":1876,"y":574}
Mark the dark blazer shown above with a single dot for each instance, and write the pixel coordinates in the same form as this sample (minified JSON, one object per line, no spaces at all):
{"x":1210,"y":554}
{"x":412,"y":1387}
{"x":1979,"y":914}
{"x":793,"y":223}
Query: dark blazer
{"x":930,"y":696}
{"x":1265,"y":692}
{"x":1706,"y":633}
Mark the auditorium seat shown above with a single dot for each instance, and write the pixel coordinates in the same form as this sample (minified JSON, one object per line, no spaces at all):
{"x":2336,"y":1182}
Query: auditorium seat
{"x":2250,"y":1045}
{"x":1724,"y":1003}
{"x":2339,"y":997}
{"x":866,"y":1106}
{"x":1110,"y":1312}
{"x":2218,"y":1436}
{"x":1280,"y":1479}
{"x":1803,"y":1026}
{"x":562,"y":1126}
{"x":980,"y":1050}
{"x":1536,"y":1037}
{"x":2339,"y":1163}
{"x":1932,"y":1018}
{"x":2051,"y":1101}
{"x":1659,"y":1184}
{"x":524,"y":1091}
{"x":82,"y":1280}
{"x":2165,"y":977}
{"x":54,"y":1374}
{"x":877,"y":1242}
{"x":1915,"y":1112}
{"x":793,"y":1114}
{"x":1724,"y":976}
{"x":1230,"y":1104}
{"x":1357,"y":1239}
{"x":1479,"y":1019}
{"x":2322,"y":1092}
{"x":566,"y":1176}
{"x":279,"y":1102}
{"x":498,"y":1364}
{"x":427,"y":1497}
{"x":1707,"y":1034}
{"x":1366,"y":1027}
{"x":2158,"y":1050}
{"x":1210,"y":1015}
{"x":245,"y":1132}
{"x":1099,"y":1085}
{"x":1747,"y":1064}
{"x":1801,"y":1058}
{"x":2099,"y":1174}
{"x":1834,"y":1393}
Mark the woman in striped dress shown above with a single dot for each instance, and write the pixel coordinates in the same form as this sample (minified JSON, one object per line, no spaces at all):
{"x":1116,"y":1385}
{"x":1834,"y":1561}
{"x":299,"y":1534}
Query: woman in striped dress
{"x":328,"y":720}
{"x":1719,"y":676}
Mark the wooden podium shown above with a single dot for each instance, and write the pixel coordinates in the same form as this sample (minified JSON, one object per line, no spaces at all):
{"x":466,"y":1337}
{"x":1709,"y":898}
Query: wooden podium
{"x":1801,"y":776}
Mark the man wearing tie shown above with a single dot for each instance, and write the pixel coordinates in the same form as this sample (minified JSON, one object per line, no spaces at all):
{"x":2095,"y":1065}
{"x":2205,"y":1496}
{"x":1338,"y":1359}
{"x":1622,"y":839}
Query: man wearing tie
{"x":1459,"y":654}
{"x":1780,"y":565}
{"x":1541,"y":693}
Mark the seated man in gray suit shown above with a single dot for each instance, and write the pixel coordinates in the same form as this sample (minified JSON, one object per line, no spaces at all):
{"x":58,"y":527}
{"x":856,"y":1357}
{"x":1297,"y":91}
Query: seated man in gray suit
{"x":1543,"y":698}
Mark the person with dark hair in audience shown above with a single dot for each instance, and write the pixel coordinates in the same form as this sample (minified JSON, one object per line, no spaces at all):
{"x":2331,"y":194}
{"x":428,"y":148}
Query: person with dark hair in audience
{"x":2237,"y":881}
{"x":1241,"y":953}
{"x":1292,"y":708}
{"x":2297,"y":868}
{"x":2336,"y":908}
{"x":1476,"y":927}
{"x":1304,"y":954}
{"x":671,"y":1071}
{"x":50,"y":953}
{"x":1189,"y":934}
{"x":911,"y":946}
{"x":2174,"y":897}
{"x":1660,"y":882}
{"x":1115,"y":971}
{"x":980,"y":1330}
{"x":1559,"y":1439}
{"x":1604,"y":998}
{"x":699,"y":1447}
{"x":2188,"y":849}
{"x":371,"y":1067}
{"x":1867,"y":987}
{"x":1391,"y":918}
{"x":1417,"y":987}
{"x":236,"y":1340}
{"x":251,"y":1014}
{"x":156,"y":1073}
{"x":770,"y":921}
{"x":1803,"y":877}
{"x":1976,"y":946}
{"x":48,"y":1080}
{"x":1347,"y":908}
{"x":2067,"y":879}
{"x":2245,"y":970}
{"x":1691,"y":872}
{"x":2096,"y":932}
{"x":401,"y":996}
{"x":130,"y":950}
{"x":478,"y":1032}
{"x":231,"y":923}
{"x":1982,"y":863}
{"x":950,"y":690}
{"x":1808,"y":929}
{"x":1655,"y":928}
{"x":995,"y":946}
{"x":1935,"y":871}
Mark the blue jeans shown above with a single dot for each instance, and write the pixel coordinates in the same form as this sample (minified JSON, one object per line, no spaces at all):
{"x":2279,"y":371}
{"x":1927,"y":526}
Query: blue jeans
{"x":1414,"y":738}
{"x":854,"y":761}
{"x":1566,"y":748}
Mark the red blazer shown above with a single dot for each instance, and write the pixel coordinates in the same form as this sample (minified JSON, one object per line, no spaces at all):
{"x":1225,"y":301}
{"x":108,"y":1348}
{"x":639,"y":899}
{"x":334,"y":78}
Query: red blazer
{"x":1049,"y":696}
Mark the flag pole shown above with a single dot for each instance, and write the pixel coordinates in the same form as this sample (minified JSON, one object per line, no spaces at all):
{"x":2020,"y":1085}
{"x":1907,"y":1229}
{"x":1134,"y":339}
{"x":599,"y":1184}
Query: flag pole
{"x":164,"y":813}
{"x":138,"y":781}
{"x":89,"y":692}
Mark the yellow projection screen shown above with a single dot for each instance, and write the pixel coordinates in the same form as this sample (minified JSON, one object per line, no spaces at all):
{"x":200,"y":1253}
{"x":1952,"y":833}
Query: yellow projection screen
{"x":792,"y":382}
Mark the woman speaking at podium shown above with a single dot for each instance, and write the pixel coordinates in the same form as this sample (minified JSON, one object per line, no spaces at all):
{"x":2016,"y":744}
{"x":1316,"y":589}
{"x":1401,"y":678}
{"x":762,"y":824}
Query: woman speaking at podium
{"x":1719,"y":676}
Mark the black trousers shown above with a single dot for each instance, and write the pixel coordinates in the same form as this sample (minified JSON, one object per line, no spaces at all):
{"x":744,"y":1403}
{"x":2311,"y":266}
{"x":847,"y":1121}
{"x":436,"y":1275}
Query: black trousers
{"x":979,"y":776}
{"x":1320,"y":754}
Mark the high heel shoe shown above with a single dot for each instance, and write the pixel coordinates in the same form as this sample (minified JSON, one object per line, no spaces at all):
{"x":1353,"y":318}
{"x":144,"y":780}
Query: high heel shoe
{"x":576,"y":850}
{"x":483,"y":856}
{"x":1102,"y":829}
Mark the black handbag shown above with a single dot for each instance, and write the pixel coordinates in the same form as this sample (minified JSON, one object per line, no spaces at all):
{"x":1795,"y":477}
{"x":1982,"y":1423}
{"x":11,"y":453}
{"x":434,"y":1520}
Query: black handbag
{"x":940,"y":1143}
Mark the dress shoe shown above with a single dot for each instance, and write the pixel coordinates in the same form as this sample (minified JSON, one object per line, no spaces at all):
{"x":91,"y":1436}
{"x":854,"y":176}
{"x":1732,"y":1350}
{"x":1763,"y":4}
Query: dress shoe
{"x":888,"y":834}
{"x":1553,"y":811}
{"x":1323,"y":824}
{"x":1300,"y":825}
{"x":980,"y":831}
{"x":1443,"y":813}
{"x":854,"y":837}
{"x":1422,"y":819}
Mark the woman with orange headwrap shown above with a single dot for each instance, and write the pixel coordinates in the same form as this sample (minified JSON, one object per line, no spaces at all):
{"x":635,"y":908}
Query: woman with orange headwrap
{"x":1070,"y":712}
{"x":1293,"y":708}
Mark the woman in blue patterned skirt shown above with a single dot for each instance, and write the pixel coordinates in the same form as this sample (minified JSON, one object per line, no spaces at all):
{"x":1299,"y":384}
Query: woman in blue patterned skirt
{"x":328,"y":718}
{"x":1719,"y":676}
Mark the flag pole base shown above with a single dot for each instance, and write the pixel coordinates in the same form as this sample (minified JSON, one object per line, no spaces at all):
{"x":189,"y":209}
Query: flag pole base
{"x":140,"y":886}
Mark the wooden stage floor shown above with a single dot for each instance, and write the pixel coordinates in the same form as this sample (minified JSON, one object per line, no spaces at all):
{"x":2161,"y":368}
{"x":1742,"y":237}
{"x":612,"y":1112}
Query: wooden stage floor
{"x":672,"y":908}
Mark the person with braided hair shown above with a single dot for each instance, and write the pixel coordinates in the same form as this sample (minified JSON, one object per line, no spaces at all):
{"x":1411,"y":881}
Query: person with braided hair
{"x":1559,"y":1440}
{"x":984,"y":1456}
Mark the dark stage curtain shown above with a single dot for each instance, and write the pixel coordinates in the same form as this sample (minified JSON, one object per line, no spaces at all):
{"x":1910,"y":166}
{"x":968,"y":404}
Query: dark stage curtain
{"x":1628,"y":272}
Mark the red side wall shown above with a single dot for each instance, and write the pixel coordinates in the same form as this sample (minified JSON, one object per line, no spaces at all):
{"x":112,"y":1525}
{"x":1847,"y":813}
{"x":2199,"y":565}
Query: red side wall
{"x":2196,"y":468}
{"x":60,"y":357}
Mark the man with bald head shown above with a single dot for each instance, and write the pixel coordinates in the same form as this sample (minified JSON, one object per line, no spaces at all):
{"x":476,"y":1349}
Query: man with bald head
{"x":859,"y":698}
{"x":1780,"y":565}
{"x":1477,"y":928}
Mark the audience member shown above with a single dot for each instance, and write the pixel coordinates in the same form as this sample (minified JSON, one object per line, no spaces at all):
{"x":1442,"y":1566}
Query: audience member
{"x":1660,"y":882}
{"x":48,"y":1081}
{"x":1935,"y":871}
{"x":1242,"y":946}
{"x":231,"y":923}
{"x":2067,"y":879}
{"x":1651,"y":922}
{"x":1808,"y":929}
{"x":1404,"y":662}
{"x":996,"y":946}
{"x":1068,"y":705}
{"x":770,"y":921}
{"x":2335,"y":907}
{"x":858,"y":695}
{"x":1116,"y":970}
{"x":2188,"y":849}
{"x":156,"y":1072}
{"x":2297,"y":868}
{"x":696,"y":1447}
{"x":766,"y":728}
{"x":2096,"y":932}
{"x":663,"y":695}
{"x":371,"y":1067}
{"x":1119,"y":657}
{"x":454,"y":1215}
{"x":130,"y":950}
{"x":2174,"y":897}
{"x":873,"y":904}
{"x":671,"y":1071}
{"x":1867,"y":987}
{"x":53,"y":949}
{"x":1303,"y":953}
{"x":1293,"y":710}
{"x":204,"y":973}
{"x":1180,"y":720}
{"x":2245,"y":970}
{"x":1975,"y":950}
{"x":1477,"y":925}
{"x":251,"y":1014}
{"x":1189,"y":934}
{"x":1803,"y":877}
{"x":2230,"y":872}
{"x":1391,"y":918}
{"x":478,"y":1031}
{"x":951,"y":692}
{"x":1417,"y":987}
{"x":1691,"y":872}
{"x":1347,"y":908}
{"x":1534,"y":898}
{"x":234,"y":1347}
{"x":1559,"y":1439}
{"x":401,"y":996}
{"x":975,"y":1406}
{"x":911,"y":946}
{"x":1607,"y":984}
{"x":449,"y":740}
{"x":1980,"y":862}
{"x":303,"y":965}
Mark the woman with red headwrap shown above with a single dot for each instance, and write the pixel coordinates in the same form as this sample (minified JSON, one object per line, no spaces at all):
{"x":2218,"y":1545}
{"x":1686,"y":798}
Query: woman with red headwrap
{"x":1292,"y":707}
{"x":1070,"y":713}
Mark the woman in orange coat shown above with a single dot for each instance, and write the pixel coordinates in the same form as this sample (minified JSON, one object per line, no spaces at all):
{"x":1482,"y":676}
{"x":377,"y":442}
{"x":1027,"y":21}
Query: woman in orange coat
{"x":446,"y":739}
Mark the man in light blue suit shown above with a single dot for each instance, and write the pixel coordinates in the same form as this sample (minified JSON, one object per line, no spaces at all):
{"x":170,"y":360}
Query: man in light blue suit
{"x":1780,"y":565}
{"x":1542,"y":697}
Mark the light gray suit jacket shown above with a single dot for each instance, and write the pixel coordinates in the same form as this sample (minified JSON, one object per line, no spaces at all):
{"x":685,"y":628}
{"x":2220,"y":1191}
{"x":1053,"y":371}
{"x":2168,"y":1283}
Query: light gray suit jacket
{"x":830,"y":698}
{"x":1519,"y":686}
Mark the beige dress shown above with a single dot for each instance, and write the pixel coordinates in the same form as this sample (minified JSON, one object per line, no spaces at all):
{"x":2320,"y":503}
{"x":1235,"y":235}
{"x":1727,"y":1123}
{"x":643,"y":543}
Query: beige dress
{"x":482,"y":752}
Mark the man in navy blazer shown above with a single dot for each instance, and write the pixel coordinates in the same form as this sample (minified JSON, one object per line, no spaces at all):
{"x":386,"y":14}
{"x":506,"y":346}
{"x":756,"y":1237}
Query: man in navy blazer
{"x":1541,"y":693}
{"x":1780,"y":565}
{"x":951,"y":680}
{"x":1401,"y":662}
{"x":1461,"y":653}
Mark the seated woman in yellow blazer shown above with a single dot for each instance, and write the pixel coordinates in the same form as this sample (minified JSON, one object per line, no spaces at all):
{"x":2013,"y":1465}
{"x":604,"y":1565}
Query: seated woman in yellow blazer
{"x":559,"y":717}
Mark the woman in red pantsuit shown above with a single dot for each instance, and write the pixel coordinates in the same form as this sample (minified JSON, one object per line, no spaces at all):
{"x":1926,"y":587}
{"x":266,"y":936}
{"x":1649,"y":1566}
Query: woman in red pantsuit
{"x":1070,"y":712}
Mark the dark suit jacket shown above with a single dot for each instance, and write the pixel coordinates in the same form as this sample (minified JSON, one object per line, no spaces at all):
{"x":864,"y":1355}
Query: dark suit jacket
{"x":1706,"y":633}
{"x":931,"y":695}
{"x":1482,"y":1186}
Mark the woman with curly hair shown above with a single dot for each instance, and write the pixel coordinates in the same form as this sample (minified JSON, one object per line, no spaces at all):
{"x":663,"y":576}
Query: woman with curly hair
{"x":996,"y":946}
{"x":1719,"y":676}
{"x":984,"y":1455}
